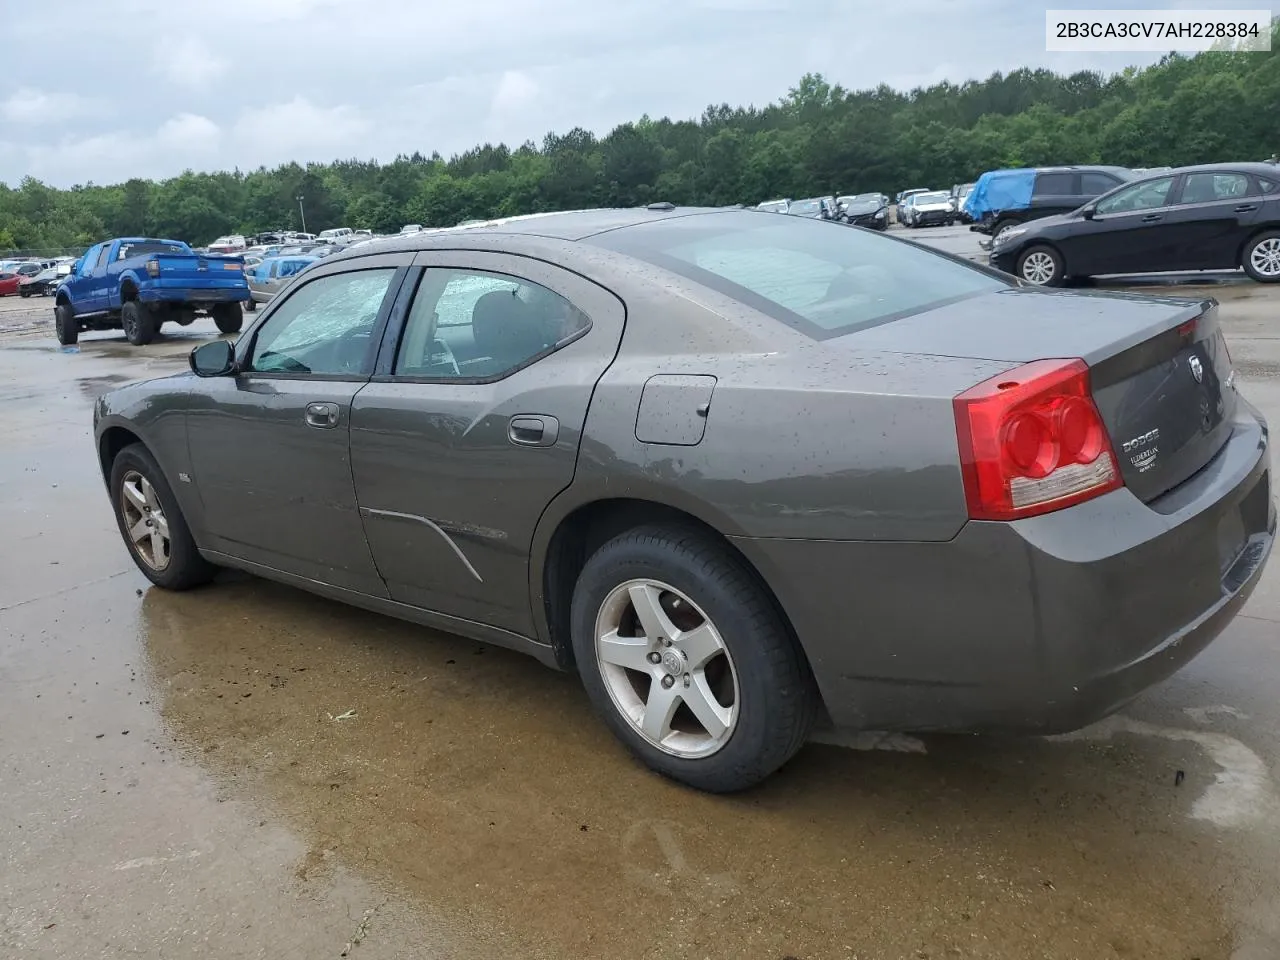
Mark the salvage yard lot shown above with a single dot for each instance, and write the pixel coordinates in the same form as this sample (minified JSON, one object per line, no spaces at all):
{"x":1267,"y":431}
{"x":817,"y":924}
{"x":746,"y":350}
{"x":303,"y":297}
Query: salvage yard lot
{"x":254,"y":771}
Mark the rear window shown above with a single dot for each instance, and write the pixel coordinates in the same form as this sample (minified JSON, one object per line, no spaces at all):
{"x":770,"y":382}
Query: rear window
{"x":128,"y":250}
{"x":823,"y":279}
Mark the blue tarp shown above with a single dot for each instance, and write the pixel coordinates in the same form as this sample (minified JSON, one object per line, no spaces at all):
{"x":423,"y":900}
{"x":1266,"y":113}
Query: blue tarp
{"x":998,"y":190}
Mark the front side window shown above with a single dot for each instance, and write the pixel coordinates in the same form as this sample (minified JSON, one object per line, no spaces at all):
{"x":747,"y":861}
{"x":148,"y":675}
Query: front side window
{"x":1208,"y":187}
{"x":1139,"y":196}
{"x":821,"y":279}
{"x":324,"y":327}
{"x":468,"y":324}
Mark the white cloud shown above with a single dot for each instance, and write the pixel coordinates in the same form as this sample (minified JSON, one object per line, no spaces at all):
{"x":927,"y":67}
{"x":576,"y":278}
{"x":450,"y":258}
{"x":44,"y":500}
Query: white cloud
{"x":30,"y":106}
{"x":188,"y":63}
{"x":264,"y":82}
{"x":182,"y":141}
{"x":516,"y":90}
{"x":300,"y":130}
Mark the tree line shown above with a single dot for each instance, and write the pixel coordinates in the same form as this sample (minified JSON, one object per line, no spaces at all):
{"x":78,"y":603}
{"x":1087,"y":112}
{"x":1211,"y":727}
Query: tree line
{"x":818,"y":139}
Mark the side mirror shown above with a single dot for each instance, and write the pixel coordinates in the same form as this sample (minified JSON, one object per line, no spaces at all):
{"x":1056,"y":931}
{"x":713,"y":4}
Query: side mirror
{"x":214,"y":359}
{"x":1088,"y":212}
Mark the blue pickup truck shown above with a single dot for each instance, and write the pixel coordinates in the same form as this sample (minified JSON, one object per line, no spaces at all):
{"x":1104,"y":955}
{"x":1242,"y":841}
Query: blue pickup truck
{"x":136,"y":284}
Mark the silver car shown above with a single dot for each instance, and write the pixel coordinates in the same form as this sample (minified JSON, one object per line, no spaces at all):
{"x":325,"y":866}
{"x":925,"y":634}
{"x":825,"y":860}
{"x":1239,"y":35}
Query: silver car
{"x":270,"y":275}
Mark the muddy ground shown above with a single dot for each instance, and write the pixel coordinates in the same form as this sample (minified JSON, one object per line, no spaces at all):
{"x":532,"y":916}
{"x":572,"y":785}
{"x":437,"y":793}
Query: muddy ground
{"x":177,"y":780}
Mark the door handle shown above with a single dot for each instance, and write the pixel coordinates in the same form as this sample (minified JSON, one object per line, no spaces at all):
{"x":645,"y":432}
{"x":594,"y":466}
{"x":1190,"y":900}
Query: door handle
{"x":533,"y":430}
{"x":321,"y":414}
{"x":1246,"y":208}
{"x":1152,"y":218}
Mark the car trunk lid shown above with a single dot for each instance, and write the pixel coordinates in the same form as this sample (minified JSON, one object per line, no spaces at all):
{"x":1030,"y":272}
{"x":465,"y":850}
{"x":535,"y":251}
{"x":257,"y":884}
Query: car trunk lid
{"x":1159,"y":368}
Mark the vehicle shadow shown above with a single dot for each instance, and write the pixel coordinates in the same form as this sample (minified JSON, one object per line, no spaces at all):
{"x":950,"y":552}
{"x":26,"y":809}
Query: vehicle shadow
{"x":482,"y":785}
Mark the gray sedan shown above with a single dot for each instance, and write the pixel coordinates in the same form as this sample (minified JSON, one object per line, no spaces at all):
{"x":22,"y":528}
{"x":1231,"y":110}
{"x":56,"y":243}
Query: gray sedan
{"x":744,"y":473}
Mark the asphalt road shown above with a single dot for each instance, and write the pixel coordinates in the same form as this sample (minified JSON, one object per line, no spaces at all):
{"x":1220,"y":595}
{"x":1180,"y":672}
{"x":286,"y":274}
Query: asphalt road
{"x":179,"y":781}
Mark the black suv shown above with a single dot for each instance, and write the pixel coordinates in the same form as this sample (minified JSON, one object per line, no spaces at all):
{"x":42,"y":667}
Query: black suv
{"x":1056,"y":190}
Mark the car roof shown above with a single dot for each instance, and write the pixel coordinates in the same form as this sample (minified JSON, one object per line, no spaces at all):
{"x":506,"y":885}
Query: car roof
{"x":1255,"y":167}
{"x":564,"y":225}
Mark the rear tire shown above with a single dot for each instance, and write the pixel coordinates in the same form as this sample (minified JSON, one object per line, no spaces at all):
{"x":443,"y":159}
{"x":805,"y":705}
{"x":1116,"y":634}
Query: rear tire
{"x":65,"y":326}
{"x":756,"y":684}
{"x":1261,"y":257}
{"x":175,"y":565}
{"x":228,"y":317}
{"x":138,"y":323}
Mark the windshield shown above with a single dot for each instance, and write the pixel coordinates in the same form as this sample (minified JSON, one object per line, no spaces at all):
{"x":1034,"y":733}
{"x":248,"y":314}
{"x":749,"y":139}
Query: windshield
{"x":128,"y":250}
{"x":823,"y":279}
{"x":806,"y":206}
{"x":938,"y":197}
{"x":867,"y":198}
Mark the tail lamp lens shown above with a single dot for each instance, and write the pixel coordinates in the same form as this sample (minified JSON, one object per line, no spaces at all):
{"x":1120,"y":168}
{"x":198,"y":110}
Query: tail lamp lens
{"x":1032,"y":441}
{"x":153,"y":268}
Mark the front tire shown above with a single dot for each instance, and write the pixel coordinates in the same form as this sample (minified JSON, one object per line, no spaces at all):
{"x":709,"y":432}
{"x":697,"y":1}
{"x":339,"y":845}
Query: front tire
{"x":228,"y":317}
{"x":65,"y":326}
{"x":138,"y":323}
{"x":151,"y":522}
{"x":250,"y":305}
{"x":1041,"y":266}
{"x":686,"y":658}
{"x":1261,"y":257}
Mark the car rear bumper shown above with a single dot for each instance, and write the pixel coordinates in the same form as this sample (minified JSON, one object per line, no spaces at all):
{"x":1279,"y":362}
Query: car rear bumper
{"x":1041,"y":625}
{"x":195,"y":295}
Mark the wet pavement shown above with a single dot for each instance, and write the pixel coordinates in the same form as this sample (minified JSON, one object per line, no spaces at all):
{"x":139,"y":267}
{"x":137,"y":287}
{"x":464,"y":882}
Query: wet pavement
{"x":249,"y":771}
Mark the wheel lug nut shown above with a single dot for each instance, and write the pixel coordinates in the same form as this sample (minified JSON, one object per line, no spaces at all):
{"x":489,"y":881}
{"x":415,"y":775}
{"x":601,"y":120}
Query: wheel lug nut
{"x":668,"y":681}
{"x":655,"y":657}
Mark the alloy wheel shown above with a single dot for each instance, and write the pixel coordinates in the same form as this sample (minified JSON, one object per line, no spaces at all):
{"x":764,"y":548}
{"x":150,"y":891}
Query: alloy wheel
{"x":1038,"y":268}
{"x":145,"y":520}
{"x":1265,"y":257}
{"x":667,"y":668}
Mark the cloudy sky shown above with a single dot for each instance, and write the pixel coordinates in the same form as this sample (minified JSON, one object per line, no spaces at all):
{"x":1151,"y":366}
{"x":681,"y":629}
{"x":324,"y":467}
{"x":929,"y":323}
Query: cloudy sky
{"x":156,"y":86}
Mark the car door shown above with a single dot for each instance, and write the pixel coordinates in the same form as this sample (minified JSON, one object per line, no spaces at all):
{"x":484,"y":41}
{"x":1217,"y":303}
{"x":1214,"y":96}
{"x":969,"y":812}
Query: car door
{"x":471,"y":426}
{"x":96,"y":295}
{"x":1125,"y":234}
{"x":270,"y":445}
{"x":1215,"y":212}
{"x":1054,"y":192}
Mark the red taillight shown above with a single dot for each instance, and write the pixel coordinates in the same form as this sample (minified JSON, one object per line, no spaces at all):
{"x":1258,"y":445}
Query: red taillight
{"x":153,"y":268}
{"x":1032,"y":441}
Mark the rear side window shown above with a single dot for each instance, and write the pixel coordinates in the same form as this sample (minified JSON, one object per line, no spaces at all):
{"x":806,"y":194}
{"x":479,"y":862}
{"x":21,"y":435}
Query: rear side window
{"x":1208,"y":187}
{"x":823,"y":279}
{"x":1266,"y":186}
{"x":1054,"y":185}
{"x":1093,"y":184}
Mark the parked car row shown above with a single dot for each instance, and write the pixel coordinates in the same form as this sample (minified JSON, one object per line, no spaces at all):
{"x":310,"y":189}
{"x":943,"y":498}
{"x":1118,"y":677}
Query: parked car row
{"x":1220,"y":216}
{"x":863,"y":209}
{"x":32,"y":277}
